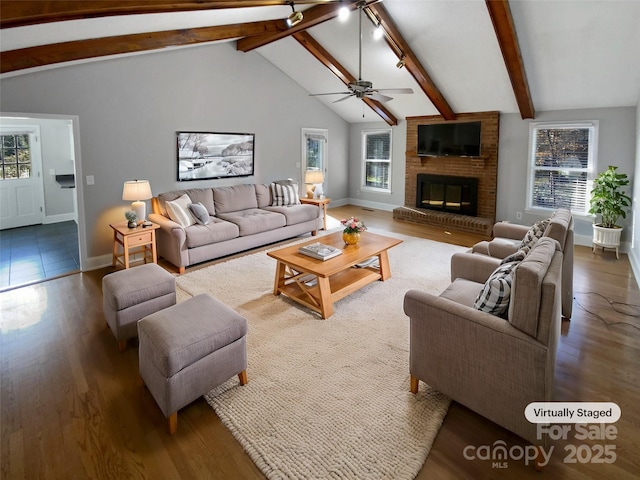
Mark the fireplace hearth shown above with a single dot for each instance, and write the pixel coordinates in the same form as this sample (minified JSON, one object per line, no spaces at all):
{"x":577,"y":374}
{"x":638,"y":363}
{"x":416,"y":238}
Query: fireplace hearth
{"x":446,"y":193}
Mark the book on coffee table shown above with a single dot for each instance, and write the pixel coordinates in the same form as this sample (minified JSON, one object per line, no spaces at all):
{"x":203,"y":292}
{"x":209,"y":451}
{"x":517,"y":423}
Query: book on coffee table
{"x":320,"y":251}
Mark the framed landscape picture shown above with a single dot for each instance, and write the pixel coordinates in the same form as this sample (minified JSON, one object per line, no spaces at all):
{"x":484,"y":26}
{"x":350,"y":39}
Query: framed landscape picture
{"x":207,"y":155}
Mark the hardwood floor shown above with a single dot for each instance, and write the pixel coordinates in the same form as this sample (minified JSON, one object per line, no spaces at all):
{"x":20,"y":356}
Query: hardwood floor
{"x":72,"y":406}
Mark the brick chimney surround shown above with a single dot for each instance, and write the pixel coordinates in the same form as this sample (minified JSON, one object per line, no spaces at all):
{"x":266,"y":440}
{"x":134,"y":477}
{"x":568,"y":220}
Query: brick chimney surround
{"x":484,"y":168}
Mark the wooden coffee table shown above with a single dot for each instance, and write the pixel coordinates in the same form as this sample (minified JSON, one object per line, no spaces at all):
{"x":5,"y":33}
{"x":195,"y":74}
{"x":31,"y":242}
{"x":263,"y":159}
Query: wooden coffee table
{"x":334,"y":278}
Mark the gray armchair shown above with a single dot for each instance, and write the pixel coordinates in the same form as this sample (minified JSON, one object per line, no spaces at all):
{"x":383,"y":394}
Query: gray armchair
{"x":494,"y":366}
{"x":507,"y":238}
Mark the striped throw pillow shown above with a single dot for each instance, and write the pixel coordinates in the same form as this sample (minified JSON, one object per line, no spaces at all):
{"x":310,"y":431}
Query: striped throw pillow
{"x":284,"y":195}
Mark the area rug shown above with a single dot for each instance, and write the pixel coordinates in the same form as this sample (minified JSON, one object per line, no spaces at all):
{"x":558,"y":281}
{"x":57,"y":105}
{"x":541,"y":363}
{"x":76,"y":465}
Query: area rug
{"x":329,"y":398}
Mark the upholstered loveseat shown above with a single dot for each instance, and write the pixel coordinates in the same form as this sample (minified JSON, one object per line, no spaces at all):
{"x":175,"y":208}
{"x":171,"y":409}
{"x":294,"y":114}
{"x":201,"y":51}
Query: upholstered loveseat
{"x":227,"y":220}
{"x":494,"y":365}
{"x":508,"y":237}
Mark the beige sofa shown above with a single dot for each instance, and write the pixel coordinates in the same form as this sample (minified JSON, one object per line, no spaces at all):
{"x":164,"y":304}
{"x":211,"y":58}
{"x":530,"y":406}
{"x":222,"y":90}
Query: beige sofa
{"x":507,"y":238}
{"x":239,"y":217}
{"x":494,"y":366}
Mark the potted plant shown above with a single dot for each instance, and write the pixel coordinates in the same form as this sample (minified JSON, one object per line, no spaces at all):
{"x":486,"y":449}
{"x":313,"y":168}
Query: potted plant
{"x":610,"y":201}
{"x":132,"y":218}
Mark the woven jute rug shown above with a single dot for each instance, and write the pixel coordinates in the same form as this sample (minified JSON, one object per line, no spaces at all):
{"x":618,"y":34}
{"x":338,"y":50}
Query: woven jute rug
{"x":329,"y":398}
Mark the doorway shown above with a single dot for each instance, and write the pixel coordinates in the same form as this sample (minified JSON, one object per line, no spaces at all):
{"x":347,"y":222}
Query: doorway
{"x":315,"y":147}
{"x":29,"y":244}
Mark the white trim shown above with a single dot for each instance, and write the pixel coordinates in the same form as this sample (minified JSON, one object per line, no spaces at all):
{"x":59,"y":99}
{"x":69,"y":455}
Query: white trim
{"x":593,"y":126}
{"x":363,"y":160}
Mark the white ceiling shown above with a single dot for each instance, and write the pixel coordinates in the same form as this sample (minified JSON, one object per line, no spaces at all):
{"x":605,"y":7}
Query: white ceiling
{"x":577,"y":54}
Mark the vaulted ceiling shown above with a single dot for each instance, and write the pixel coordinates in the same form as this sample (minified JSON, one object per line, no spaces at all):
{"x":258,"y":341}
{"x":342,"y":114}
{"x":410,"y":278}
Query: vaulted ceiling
{"x":459,"y":55}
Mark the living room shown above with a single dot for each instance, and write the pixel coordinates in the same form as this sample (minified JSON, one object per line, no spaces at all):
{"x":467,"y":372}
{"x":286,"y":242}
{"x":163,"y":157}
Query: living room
{"x":127,"y":109}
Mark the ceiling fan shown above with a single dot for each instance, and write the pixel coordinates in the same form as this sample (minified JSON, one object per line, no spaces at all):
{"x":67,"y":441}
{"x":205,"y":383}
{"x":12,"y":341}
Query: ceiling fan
{"x":363,"y":88}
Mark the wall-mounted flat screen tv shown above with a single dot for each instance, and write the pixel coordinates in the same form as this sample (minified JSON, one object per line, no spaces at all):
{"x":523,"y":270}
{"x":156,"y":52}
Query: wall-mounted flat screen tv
{"x":207,"y":155}
{"x":449,"y":140}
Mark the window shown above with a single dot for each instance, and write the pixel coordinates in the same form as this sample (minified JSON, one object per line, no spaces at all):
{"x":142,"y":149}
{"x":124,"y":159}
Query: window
{"x":376,"y":160}
{"x":15,"y":156}
{"x":562,"y":159}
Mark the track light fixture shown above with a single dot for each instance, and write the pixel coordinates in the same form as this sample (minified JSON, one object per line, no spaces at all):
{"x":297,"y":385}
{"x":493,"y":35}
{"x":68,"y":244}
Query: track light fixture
{"x":401,"y":62}
{"x":295,"y":18}
{"x":343,"y":12}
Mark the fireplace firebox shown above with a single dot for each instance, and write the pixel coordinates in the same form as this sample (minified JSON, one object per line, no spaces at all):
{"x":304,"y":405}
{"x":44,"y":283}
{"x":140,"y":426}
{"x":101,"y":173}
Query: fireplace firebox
{"x":446,"y":193}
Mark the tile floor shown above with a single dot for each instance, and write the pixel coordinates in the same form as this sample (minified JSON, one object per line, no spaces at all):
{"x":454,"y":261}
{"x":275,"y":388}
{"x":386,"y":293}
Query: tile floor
{"x":35,"y":253}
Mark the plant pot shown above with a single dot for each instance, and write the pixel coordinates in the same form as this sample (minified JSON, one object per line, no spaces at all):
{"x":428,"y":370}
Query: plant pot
{"x":132,"y":224}
{"x":606,"y":237}
{"x":351,"y":238}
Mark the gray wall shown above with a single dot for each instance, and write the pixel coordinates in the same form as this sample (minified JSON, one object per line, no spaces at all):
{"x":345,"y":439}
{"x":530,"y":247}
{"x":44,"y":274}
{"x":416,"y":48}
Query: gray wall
{"x":129,"y":109}
{"x":383,"y":201}
{"x":616,"y":146}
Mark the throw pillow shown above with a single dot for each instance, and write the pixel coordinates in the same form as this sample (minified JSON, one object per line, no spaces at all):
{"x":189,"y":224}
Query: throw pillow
{"x":283,"y":195}
{"x":178,"y":211}
{"x":200,"y":212}
{"x":535,"y":233}
{"x":496,"y":293}
{"x":516,"y":256}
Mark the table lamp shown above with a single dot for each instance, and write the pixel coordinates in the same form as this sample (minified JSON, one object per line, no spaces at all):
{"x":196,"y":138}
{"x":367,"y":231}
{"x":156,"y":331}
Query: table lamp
{"x":137,"y":190}
{"x":315,"y":178}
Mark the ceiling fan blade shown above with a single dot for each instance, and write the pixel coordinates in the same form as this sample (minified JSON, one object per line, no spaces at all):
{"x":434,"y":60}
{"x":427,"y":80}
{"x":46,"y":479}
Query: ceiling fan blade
{"x":378,"y":97}
{"x":343,"y":98}
{"x":332,"y":93}
{"x":395,"y":91}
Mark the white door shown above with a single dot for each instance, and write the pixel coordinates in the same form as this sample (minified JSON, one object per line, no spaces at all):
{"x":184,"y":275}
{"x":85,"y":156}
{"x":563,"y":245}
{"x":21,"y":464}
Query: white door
{"x":315,"y":147}
{"x":21,"y":187}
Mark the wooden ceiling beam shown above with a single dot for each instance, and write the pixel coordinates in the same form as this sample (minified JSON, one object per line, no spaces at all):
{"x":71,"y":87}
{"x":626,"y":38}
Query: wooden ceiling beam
{"x":39,"y":56}
{"x":503,"y":25}
{"x":312,"y":17}
{"x":18,"y":13}
{"x":319,"y":52}
{"x":401,"y":48}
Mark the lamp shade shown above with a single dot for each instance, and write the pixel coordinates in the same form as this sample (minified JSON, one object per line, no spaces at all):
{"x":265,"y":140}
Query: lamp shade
{"x":313,"y":176}
{"x":137,"y":190}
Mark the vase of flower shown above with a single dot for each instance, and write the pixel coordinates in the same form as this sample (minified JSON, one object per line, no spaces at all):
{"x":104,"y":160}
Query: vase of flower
{"x":351,"y":238}
{"x":352,"y":229}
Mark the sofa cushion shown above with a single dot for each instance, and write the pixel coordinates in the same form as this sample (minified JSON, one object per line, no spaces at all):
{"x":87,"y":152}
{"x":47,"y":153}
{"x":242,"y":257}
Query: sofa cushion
{"x":534,"y":234}
{"x":235,"y":198}
{"x":284,"y":194}
{"x":216,"y":230}
{"x":178,"y":211}
{"x":462,"y":291}
{"x":263,"y":194}
{"x":197,"y":195}
{"x":200,"y":213}
{"x":254,"y":220}
{"x":496,"y":293}
{"x":295,"y":214}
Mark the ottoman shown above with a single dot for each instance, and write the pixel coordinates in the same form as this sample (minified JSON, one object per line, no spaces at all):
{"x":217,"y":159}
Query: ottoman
{"x":188,"y":349}
{"x":132,"y":294}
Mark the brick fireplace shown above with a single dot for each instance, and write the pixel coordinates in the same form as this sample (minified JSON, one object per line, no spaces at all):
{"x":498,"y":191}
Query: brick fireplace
{"x":456,"y":170}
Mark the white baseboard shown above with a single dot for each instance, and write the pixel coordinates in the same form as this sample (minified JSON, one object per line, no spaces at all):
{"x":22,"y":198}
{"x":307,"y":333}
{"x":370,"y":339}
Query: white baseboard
{"x":366,"y":203}
{"x":63,"y":217}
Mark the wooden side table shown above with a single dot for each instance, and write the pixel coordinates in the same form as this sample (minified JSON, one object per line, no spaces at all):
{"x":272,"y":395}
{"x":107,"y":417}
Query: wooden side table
{"x":133,"y":240}
{"x":321,"y":203}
